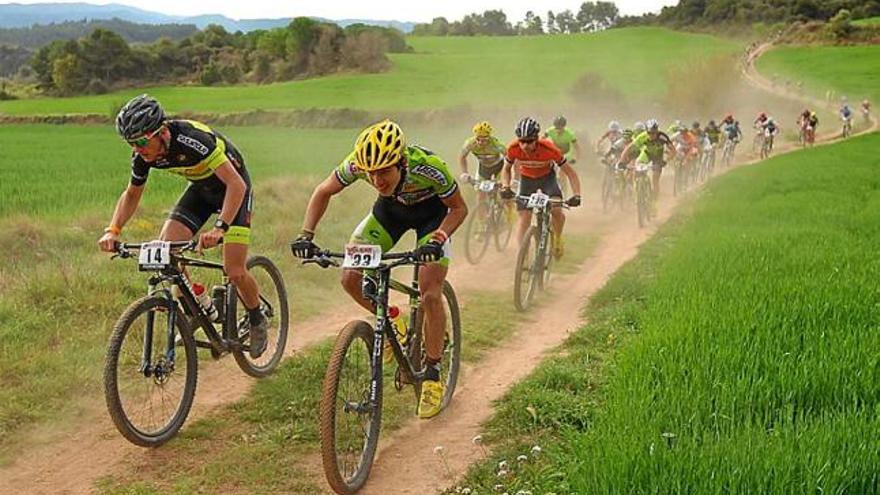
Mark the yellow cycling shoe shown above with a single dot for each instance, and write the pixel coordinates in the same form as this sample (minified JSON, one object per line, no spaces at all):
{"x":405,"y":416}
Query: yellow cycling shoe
{"x":432,"y":397}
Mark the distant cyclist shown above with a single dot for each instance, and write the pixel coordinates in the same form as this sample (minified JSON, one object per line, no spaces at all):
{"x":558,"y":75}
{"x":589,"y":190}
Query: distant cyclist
{"x":489,"y":152}
{"x":614,"y":136}
{"x":771,"y":130}
{"x":846,"y":114}
{"x":537,"y":160}
{"x":564,"y":139}
{"x":866,"y":110}
{"x":807,"y":125}
{"x":651,"y":145}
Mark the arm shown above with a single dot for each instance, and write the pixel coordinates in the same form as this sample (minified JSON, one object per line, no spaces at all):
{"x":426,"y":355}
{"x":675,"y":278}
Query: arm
{"x":505,"y":174}
{"x":458,"y":210}
{"x":577,"y":150}
{"x":572,"y":178}
{"x":319,"y":201}
{"x":125,"y":208}
{"x":462,"y":161}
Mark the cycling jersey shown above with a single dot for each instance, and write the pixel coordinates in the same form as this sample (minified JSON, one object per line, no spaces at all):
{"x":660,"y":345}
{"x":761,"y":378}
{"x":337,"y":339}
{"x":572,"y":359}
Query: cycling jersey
{"x":732,"y":131}
{"x":651,"y":150}
{"x":713,"y":133}
{"x":538,"y":163}
{"x":489,"y":153}
{"x":195,"y":151}
{"x":424,"y":177}
{"x":845,"y":112}
{"x":562,"y":139}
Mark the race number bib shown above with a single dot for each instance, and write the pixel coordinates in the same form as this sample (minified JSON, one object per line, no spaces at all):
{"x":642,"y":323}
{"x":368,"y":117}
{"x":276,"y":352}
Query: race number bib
{"x":154,"y":255}
{"x":538,"y":200}
{"x":486,"y":186}
{"x":362,"y":256}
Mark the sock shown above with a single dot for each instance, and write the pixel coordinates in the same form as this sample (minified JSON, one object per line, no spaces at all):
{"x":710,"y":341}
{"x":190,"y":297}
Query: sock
{"x":255,"y":315}
{"x":432,"y":371}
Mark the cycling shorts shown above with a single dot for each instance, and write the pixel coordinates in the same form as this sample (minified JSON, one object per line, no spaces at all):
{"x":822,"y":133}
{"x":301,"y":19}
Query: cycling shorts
{"x":198,"y":203}
{"x":390,"y":219}
{"x":548,"y":184}
{"x":490,"y":172}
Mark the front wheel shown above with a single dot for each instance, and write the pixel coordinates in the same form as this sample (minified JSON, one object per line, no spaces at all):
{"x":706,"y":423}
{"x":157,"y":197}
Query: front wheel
{"x":451,"y":360}
{"x":349,"y":419}
{"x":477,"y":233}
{"x":273,"y":302}
{"x":505,"y":216}
{"x":524,"y":283}
{"x":643,"y":199}
{"x":148,"y":388}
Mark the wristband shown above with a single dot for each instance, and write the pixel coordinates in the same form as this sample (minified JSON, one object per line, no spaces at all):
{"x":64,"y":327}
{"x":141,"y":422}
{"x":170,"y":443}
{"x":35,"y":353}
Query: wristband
{"x":112,"y":229}
{"x":440,"y":236}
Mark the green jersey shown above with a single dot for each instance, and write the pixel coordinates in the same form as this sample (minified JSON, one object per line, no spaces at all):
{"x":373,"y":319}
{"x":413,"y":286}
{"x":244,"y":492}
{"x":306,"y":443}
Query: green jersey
{"x":425,"y":176}
{"x":562,"y":139}
{"x":488,"y":154}
{"x":651,"y":150}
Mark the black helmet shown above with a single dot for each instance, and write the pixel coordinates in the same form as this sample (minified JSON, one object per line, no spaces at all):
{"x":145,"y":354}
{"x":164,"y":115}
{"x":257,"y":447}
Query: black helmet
{"x":141,"y":115}
{"x":695,"y":125}
{"x":528,"y":128}
{"x":711,"y":123}
{"x":559,"y":121}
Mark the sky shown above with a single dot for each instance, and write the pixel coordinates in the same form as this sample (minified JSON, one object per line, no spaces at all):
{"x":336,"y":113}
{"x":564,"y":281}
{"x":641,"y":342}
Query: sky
{"x":412,"y":10}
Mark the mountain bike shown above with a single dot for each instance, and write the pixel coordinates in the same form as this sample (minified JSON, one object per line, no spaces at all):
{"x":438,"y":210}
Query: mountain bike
{"x":351,"y":395}
{"x":847,"y":128}
{"x":148,"y":387}
{"x":707,"y":161}
{"x":492,"y":220}
{"x":767,"y":144}
{"x":727,"y":152}
{"x":758,"y":142}
{"x":644,"y":193}
{"x":615,"y":188}
{"x":535,"y":256}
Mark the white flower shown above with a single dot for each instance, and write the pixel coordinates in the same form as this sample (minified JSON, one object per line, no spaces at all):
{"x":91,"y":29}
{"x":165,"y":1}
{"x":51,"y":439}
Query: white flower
{"x":438,"y":450}
{"x":502,"y":473}
{"x":499,"y":487}
{"x":522,"y":458}
{"x":477,"y":440}
{"x":502,"y":466}
{"x":536,"y":450}
{"x":466,"y":491}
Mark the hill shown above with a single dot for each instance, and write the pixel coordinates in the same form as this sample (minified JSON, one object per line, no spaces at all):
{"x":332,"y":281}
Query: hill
{"x":38,"y":35}
{"x":18,"y":15}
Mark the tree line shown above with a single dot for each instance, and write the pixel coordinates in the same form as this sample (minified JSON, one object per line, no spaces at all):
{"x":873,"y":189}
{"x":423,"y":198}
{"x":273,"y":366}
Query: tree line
{"x":103,"y":60}
{"x":695,"y":13}
{"x":592,"y":16}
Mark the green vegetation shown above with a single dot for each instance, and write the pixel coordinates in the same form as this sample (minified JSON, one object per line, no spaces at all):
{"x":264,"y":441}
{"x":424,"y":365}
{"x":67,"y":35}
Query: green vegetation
{"x":443,"y":72}
{"x":851,"y":70}
{"x":870,"y":21}
{"x":735,"y":354}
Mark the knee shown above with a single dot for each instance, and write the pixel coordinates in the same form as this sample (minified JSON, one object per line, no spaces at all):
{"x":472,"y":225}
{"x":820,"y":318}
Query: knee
{"x":431,"y":295}
{"x":236,"y":274}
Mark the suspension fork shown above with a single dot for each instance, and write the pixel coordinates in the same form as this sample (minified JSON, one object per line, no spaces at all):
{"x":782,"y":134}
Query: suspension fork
{"x":380,"y":299}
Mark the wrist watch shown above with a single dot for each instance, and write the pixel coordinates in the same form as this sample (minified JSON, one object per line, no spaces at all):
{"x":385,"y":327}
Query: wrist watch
{"x":220,"y":224}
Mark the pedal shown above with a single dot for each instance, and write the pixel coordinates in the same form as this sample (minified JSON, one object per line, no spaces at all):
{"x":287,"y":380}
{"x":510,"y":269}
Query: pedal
{"x":398,"y":380}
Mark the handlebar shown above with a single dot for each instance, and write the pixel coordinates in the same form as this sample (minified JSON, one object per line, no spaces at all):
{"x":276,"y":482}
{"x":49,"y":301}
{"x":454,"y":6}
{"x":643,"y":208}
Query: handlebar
{"x":326,"y":258}
{"x":124,"y":250}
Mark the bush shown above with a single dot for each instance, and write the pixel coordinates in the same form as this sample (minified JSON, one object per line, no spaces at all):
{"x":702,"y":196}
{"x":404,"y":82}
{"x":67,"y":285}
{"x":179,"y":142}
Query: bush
{"x":210,"y":75}
{"x":96,"y":87}
{"x":840,"y":26}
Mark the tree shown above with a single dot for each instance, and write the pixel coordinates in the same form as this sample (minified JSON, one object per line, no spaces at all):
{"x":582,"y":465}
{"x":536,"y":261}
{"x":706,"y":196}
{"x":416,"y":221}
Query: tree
{"x":566,"y":22}
{"x":69,"y":74}
{"x":106,"y":55}
{"x":551,"y":23}
{"x":840,"y":26}
{"x":494,"y":23}
{"x":532,"y":24}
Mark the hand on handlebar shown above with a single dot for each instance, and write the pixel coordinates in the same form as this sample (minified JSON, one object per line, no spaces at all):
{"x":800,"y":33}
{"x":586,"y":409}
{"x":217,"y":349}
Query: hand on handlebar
{"x":574,"y":200}
{"x":303,"y":247}
{"x":506,"y":193}
{"x":429,"y":252}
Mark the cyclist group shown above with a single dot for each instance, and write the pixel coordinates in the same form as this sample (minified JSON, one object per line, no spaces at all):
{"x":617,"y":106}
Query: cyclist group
{"x":416,"y":191}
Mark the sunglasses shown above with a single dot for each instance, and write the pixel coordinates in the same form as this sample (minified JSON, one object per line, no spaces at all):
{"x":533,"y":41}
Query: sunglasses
{"x":527,"y":141}
{"x":143,"y":140}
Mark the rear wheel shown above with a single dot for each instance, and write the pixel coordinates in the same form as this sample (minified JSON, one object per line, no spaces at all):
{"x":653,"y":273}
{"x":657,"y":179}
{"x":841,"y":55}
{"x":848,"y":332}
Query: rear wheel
{"x":349,"y":420}
{"x":524,"y":283}
{"x":273,"y":303}
{"x":643,"y":199}
{"x":149,"y":401}
{"x":504,"y":219}
{"x":607,"y":190}
{"x":451,"y":360}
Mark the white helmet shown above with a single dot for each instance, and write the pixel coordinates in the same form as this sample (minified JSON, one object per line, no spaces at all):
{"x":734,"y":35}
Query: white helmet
{"x":639,"y":126}
{"x":614,"y":126}
{"x":652,"y":124}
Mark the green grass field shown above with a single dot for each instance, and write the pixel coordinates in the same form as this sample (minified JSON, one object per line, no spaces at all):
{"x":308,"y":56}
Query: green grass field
{"x":736,"y":354}
{"x":442,"y":72}
{"x":850,"y":70}
{"x":868,"y":21}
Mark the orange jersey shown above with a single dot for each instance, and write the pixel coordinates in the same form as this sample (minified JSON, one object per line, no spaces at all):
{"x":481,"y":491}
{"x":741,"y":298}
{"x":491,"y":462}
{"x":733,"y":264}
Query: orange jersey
{"x":538,"y":163}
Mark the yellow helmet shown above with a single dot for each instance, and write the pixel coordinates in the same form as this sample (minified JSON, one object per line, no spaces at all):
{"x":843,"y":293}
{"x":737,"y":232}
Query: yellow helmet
{"x":483,"y":129}
{"x":379,"y":146}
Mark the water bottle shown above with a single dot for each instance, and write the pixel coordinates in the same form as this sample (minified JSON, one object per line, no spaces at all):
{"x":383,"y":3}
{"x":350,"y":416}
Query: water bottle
{"x":397,"y":324}
{"x":205,"y":300}
{"x":218,"y":295}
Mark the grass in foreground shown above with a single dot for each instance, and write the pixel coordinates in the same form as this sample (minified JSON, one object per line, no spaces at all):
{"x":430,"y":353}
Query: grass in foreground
{"x":442,"y":72}
{"x":737,"y":353}
{"x":850,"y":70}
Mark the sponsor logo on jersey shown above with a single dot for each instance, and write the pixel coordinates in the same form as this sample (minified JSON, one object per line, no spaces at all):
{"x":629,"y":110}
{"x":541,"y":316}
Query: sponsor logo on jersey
{"x":432,"y":173}
{"x":192,"y":143}
{"x":181,"y":157}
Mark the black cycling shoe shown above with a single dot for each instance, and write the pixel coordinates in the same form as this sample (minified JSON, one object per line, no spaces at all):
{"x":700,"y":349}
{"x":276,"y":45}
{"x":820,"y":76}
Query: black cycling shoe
{"x":258,"y":337}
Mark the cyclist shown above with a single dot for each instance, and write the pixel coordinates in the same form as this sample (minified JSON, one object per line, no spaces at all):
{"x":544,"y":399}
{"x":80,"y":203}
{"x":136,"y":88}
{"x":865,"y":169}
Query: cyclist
{"x":732,"y":132}
{"x":219,"y":183}
{"x":807,"y":131}
{"x":536,"y":160}
{"x":846,"y":113}
{"x":866,"y":110}
{"x":614,"y":136}
{"x":713,"y":133}
{"x":564,"y":139}
{"x":416,"y":192}
{"x":650,"y":145}
{"x":770,"y":129}
{"x":489,"y":152}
